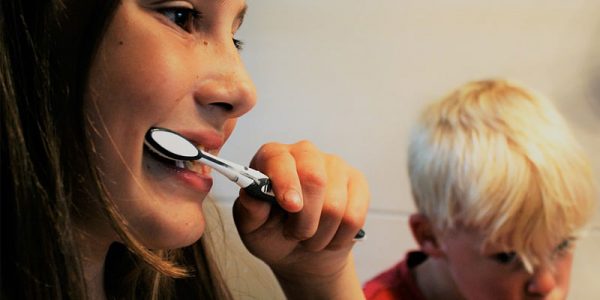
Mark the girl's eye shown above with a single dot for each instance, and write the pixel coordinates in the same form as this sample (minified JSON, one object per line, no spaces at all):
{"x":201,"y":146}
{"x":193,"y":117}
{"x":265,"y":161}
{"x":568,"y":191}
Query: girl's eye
{"x":504,"y":258}
{"x":182,"y":16}
{"x":238,"y":44}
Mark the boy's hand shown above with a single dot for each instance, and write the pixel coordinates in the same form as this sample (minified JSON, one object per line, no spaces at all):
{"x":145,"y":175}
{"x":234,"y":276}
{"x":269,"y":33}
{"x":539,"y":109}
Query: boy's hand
{"x":307,"y":240}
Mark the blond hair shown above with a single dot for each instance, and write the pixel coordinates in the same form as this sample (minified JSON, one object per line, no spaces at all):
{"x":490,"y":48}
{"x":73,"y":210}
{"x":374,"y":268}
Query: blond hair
{"x":495,"y":157}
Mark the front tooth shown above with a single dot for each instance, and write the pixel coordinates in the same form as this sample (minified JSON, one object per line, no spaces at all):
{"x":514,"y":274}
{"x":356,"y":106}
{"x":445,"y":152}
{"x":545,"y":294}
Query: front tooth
{"x":179,"y":164}
{"x":189,"y":165}
{"x":206,"y":169}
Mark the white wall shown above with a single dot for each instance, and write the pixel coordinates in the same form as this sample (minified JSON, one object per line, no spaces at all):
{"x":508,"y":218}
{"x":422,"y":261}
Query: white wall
{"x":352,"y":75}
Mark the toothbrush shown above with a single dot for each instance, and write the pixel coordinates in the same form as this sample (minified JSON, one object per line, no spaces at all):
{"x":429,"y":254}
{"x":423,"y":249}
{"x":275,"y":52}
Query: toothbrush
{"x":171,"y":145}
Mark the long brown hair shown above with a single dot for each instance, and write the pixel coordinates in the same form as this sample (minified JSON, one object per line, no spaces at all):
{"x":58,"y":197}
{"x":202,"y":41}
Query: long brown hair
{"x":46,"y":49}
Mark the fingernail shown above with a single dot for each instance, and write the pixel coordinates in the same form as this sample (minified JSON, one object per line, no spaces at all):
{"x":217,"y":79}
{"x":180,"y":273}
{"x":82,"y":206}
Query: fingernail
{"x":294,"y":197}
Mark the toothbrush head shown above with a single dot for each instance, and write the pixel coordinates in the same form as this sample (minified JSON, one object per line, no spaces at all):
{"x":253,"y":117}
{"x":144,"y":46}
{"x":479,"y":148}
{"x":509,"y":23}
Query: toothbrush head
{"x":171,"y":145}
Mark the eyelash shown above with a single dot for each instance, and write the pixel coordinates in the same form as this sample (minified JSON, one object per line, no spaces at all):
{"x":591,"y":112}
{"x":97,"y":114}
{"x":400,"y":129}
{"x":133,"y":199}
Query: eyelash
{"x":564,"y":246}
{"x":191,"y":17}
{"x":505,"y":258}
{"x":238,"y":44}
{"x":190,"y":22}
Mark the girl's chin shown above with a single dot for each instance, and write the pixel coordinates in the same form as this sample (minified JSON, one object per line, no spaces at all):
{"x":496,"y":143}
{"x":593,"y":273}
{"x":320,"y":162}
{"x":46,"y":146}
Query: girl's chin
{"x":175,"y":238}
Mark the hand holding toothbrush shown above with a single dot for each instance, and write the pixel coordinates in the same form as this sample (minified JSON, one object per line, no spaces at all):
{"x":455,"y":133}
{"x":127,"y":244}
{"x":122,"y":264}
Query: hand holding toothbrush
{"x":323,"y":203}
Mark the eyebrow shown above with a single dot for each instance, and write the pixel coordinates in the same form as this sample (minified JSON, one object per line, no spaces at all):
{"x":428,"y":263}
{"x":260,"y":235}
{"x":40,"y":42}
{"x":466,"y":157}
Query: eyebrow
{"x":240,"y":16}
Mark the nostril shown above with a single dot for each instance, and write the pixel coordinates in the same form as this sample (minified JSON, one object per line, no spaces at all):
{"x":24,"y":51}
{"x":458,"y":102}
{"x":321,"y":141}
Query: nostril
{"x":228,"y":107}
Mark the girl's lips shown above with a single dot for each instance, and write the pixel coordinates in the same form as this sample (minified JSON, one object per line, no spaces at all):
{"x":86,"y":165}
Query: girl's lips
{"x":201,"y":182}
{"x":209,"y":140}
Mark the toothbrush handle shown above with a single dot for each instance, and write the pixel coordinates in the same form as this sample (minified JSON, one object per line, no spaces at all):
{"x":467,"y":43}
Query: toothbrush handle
{"x":263,"y":191}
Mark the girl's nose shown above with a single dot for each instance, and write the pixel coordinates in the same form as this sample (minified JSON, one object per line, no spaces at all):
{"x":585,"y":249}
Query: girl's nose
{"x":230,"y":94}
{"x":226,"y":87}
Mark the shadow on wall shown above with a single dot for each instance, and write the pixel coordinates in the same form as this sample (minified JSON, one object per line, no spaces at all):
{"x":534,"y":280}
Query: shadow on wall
{"x":595,"y":90}
{"x":594,"y":83}
{"x":595,"y":93}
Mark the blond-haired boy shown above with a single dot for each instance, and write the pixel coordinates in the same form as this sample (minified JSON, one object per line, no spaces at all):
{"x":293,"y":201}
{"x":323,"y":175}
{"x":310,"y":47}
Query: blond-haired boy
{"x":502,"y":191}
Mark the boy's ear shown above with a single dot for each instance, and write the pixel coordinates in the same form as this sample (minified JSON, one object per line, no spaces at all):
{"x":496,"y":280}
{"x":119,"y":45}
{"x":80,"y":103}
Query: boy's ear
{"x":423,"y":232}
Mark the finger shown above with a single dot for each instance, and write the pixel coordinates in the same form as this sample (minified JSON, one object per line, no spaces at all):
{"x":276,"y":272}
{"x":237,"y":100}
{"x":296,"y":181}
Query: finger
{"x":333,"y":207}
{"x":276,"y":161}
{"x":311,"y":171}
{"x":356,"y":210}
{"x":249,"y":213}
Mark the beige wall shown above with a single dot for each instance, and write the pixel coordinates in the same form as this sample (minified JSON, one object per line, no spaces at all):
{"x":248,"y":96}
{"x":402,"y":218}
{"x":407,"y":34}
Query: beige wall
{"x":352,"y":76}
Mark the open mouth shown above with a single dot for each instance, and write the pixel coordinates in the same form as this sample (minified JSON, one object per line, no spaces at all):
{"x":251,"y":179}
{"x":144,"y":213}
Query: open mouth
{"x":181,"y":165}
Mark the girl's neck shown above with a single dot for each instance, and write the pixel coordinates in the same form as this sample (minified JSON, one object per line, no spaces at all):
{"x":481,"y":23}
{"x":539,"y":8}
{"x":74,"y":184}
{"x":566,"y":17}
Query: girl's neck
{"x":93,"y":250}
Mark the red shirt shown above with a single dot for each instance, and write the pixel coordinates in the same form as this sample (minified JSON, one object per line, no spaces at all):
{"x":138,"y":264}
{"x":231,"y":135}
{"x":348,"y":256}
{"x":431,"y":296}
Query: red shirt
{"x":397,"y":283}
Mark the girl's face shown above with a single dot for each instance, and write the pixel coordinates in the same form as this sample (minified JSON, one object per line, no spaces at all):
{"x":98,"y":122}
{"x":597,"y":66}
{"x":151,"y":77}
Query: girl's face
{"x":493,"y":274}
{"x":172,"y":64}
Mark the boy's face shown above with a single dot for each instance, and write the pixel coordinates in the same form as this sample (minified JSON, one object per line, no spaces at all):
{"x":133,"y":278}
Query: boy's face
{"x":490,"y":273}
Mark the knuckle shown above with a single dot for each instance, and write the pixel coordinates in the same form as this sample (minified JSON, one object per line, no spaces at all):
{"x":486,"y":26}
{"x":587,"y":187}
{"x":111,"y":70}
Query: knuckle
{"x":352,"y":221}
{"x":334,"y":206}
{"x":336,"y":160}
{"x":305,"y":145}
{"x":314,"y":247}
{"x":267,"y":152}
{"x":270,"y":149}
{"x":303,"y":233}
{"x":338,"y":164}
{"x":312,"y":178}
